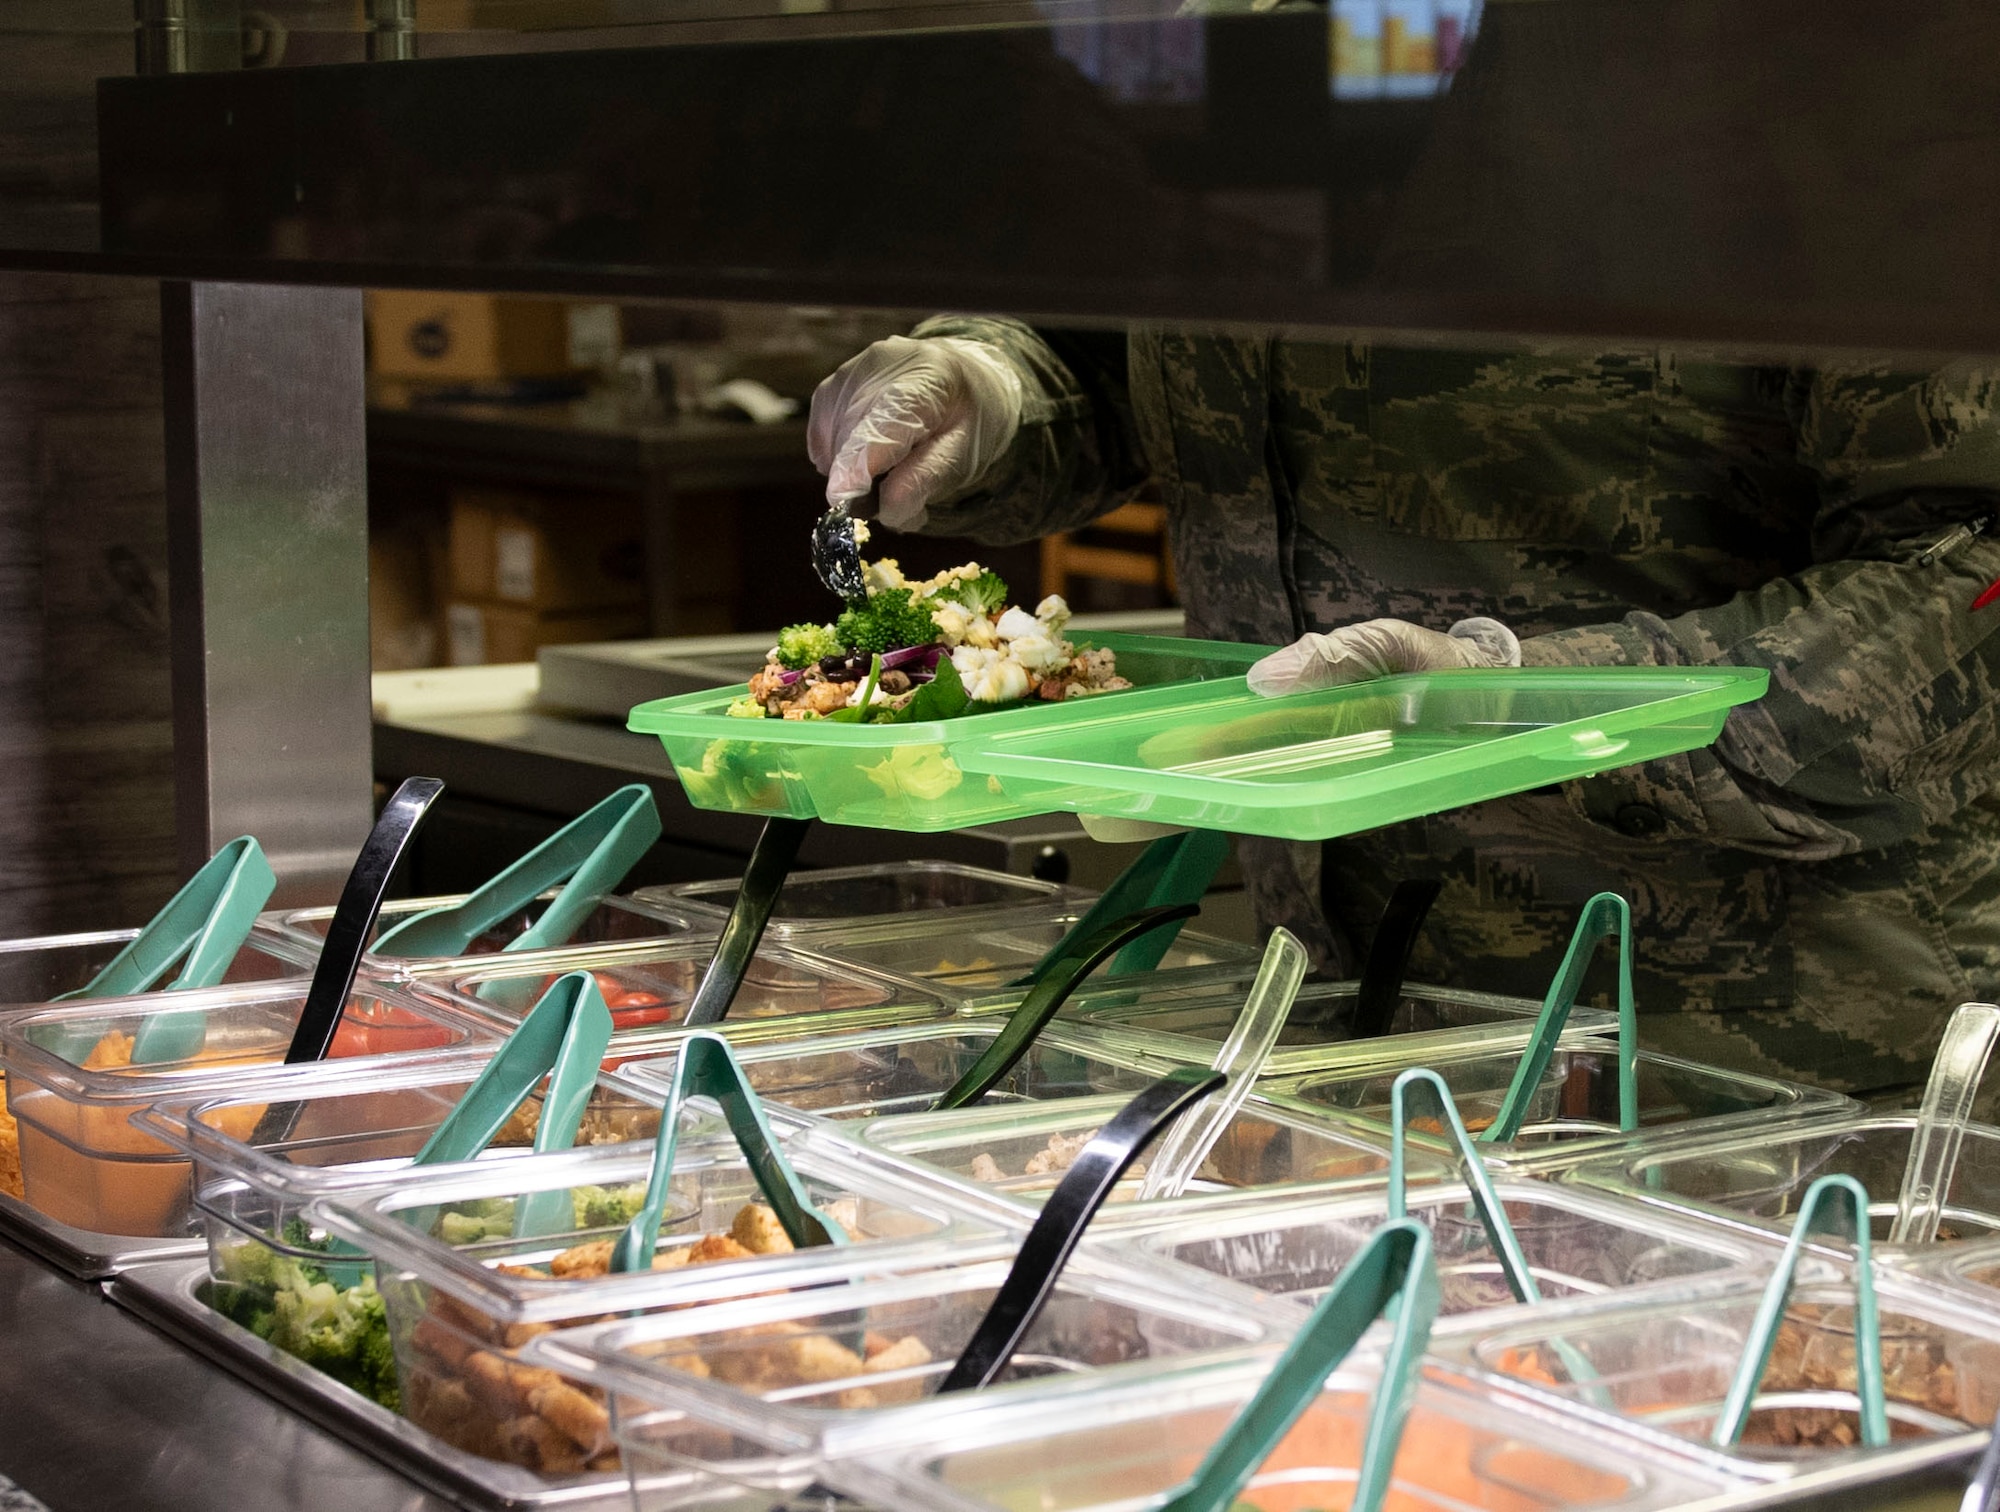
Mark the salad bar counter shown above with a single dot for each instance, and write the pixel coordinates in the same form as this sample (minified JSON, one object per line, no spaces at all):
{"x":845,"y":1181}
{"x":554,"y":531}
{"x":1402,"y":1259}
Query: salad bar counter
{"x":978,"y":1193}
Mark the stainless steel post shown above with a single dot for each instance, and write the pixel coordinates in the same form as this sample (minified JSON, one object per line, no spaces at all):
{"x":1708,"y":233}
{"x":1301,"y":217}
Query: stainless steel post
{"x":392,"y":30}
{"x":267,"y":518}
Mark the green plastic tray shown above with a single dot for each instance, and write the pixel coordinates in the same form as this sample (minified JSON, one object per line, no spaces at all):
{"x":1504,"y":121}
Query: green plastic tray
{"x":908,"y":777}
{"x":1314,"y":765}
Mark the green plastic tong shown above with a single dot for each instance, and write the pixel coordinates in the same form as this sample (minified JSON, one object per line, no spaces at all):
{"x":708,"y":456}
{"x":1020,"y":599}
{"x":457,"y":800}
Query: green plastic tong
{"x":590,"y":855}
{"x":563,"y":1037}
{"x":705,"y":1066}
{"x":1492,"y":1213}
{"x":1471,"y":1170}
{"x":1050,"y":992}
{"x":1394,"y":1277}
{"x":1737,"y":1406}
{"x":1604,"y":917}
{"x":202,"y":927}
{"x":1173,"y":869}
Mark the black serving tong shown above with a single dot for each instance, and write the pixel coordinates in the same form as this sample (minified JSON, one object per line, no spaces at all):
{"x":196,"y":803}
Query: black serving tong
{"x":1084,"y":1188}
{"x":757,"y":894}
{"x":1056,"y":978}
{"x":347,"y":937}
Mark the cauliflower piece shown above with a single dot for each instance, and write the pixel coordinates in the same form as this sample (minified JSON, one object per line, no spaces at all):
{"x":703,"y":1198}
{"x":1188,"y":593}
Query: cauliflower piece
{"x":881,"y":694}
{"x":1039,"y":654}
{"x":886,"y":573}
{"x":1002,"y":682}
{"x":952,"y":621}
{"x":1015,"y":623}
{"x":1053,"y":612}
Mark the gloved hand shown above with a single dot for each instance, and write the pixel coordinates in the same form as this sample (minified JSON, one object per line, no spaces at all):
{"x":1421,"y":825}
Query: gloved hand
{"x":926,"y":415}
{"x":1381,"y":648}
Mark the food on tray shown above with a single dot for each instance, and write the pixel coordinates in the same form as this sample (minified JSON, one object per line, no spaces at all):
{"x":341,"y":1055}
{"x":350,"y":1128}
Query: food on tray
{"x":86,"y":1165}
{"x":1057,"y":1156}
{"x":83,"y":1161}
{"x":1250,"y":1152}
{"x":1441,"y":1461}
{"x":1813,"y":1352}
{"x":466,"y":1385}
{"x":493,"y":1217}
{"x":659,"y":991}
{"x":607,"y":1119}
{"x":10,"y":1148}
{"x":932,"y":649}
{"x":333,"y":1320}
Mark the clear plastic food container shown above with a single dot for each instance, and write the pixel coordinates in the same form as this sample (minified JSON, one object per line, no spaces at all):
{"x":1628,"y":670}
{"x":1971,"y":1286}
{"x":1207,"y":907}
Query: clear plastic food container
{"x":353,"y":1130}
{"x":615,"y":921}
{"x":845,"y":897}
{"x":1202,"y":1007}
{"x":1576,"y":1243}
{"x":74,"y":1090}
{"x":1966,"y":1276}
{"x":45,"y":967}
{"x":463,"y":1294}
{"x":1760,"y":1177}
{"x":1023,"y":1152}
{"x":1574,"y":1109}
{"x":800,"y":1367}
{"x":1662,"y":1369}
{"x":875,"y":1072}
{"x":649,"y":991}
{"x":1081,"y":1445}
{"x":978,"y":960}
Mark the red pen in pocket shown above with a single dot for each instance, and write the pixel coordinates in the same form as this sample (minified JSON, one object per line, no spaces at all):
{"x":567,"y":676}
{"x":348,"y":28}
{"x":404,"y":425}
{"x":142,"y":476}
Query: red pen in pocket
{"x":1992,"y":593}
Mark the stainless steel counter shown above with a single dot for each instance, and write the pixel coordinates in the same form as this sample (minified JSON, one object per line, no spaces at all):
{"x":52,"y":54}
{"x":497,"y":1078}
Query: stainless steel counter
{"x":98,"y":1411}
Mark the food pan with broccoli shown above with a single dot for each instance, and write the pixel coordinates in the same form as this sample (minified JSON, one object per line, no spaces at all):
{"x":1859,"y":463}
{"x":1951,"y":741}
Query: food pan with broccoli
{"x":930,"y":649}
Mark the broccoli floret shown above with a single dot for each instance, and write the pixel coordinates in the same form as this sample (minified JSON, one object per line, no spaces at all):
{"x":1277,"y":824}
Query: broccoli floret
{"x":468,"y":1228}
{"x":342,"y":1332}
{"x":891,"y":617}
{"x":607,"y":1207}
{"x":299,"y":1235}
{"x":246,"y":1306}
{"x":799,"y":646}
{"x":252,"y":1266}
{"x":984,"y":594}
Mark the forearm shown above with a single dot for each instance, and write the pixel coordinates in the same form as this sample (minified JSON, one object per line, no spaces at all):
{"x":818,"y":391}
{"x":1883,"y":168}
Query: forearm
{"x":1880,"y":720}
{"x":1073,"y":457}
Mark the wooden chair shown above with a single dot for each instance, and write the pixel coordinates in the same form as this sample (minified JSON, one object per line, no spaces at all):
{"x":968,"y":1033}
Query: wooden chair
{"x":1145,"y":562}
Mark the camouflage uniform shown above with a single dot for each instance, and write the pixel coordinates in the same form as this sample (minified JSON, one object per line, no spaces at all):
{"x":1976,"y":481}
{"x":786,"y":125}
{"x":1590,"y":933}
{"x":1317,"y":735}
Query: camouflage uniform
{"x":1811,"y":895}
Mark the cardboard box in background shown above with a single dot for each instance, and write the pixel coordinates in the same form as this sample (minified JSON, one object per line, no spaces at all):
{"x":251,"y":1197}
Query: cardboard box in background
{"x":402,"y":598}
{"x":479,"y":634}
{"x":563,"y":553}
{"x":476,"y":337}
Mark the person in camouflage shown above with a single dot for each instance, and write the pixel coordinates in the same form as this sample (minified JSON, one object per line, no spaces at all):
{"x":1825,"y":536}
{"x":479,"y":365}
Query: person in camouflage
{"x":1810,"y":896}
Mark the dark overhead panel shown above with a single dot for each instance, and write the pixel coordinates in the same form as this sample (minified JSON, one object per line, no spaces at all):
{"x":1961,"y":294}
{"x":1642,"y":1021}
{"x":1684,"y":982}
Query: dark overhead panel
{"x":1785,"y":173}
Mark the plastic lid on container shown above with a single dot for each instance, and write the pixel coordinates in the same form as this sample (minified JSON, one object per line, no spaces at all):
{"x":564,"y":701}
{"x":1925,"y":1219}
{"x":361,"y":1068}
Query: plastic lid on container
{"x":1314,"y":765}
{"x":247,"y":1030}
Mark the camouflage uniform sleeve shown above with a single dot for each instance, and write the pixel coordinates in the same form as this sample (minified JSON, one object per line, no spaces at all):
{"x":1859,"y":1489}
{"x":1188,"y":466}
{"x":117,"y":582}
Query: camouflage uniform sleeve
{"x":1881,"y":720}
{"x":1076,"y":455}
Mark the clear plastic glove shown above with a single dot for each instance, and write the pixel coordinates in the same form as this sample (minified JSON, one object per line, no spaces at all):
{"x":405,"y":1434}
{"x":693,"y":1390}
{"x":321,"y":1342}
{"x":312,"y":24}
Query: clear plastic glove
{"x":1382,"y":648}
{"x":926,"y":415}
